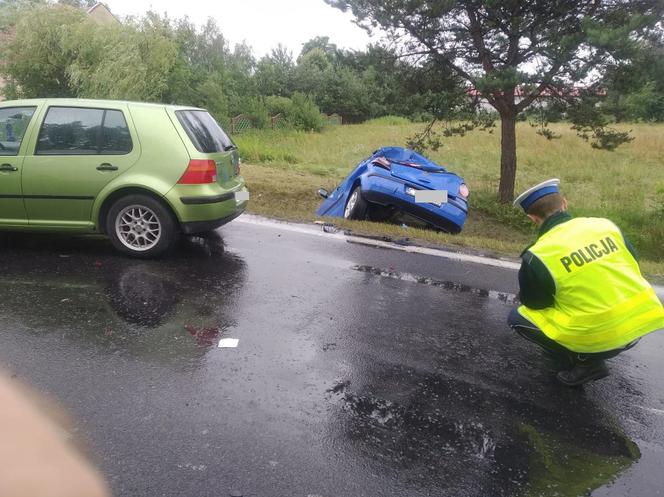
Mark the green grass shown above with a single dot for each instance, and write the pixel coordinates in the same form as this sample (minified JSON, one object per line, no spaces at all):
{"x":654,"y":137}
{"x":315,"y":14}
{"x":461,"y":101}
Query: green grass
{"x":388,"y":121}
{"x":627,"y":185}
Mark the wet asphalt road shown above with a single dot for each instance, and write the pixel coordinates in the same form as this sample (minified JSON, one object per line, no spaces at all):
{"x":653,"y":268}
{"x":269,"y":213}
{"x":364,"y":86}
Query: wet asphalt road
{"x":347,"y":380}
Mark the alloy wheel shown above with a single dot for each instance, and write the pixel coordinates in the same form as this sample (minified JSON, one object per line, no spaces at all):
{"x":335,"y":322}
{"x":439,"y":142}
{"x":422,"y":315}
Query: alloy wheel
{"x":351,"y":204}
{"x":138,"y":228}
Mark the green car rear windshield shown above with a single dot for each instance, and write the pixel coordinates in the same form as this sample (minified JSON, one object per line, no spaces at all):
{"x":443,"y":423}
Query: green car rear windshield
{"x":204,"y":132}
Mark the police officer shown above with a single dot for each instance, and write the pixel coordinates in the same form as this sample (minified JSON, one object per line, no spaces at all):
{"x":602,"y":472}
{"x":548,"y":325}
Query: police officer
{"x":584,"y":298}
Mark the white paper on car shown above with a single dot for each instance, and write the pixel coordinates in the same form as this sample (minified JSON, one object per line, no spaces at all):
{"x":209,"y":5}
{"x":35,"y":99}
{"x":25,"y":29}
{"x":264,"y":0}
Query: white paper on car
{"x":437,"y":197}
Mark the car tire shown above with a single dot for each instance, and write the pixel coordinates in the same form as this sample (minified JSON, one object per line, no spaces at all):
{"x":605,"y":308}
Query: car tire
{"x":141,"y":226}
{"x":356,"y":207}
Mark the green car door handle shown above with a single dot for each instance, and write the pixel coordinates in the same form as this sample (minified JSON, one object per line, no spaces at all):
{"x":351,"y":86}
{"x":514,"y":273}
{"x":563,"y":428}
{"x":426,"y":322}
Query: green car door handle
{"x":8,"y":167}
{"x":107,"y":167}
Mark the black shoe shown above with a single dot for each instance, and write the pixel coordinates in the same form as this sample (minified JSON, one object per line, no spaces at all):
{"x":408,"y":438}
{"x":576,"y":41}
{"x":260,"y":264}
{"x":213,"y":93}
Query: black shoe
{"x":583,"y":373}
{"x":560,"y":362}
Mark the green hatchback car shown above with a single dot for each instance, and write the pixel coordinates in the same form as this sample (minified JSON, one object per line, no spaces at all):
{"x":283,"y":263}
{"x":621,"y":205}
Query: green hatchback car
{"x":139,"y":173}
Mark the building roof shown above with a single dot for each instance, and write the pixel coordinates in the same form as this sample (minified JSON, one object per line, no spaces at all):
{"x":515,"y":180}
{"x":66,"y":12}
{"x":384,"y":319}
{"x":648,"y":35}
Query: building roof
{"x":101,"y":13}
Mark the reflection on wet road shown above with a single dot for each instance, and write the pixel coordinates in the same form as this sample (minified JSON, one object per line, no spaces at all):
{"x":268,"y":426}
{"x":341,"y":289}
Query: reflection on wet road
{"x":158,"y":309}
{"x":348,"y":380}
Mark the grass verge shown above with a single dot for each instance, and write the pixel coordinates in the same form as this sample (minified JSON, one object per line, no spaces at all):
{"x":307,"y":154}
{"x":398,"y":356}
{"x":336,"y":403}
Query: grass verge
{"x":291,"y":195}
{"x":287,"y":167}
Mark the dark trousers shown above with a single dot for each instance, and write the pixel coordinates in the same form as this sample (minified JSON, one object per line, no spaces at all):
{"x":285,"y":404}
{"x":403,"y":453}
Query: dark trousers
{"x":562,"y":355}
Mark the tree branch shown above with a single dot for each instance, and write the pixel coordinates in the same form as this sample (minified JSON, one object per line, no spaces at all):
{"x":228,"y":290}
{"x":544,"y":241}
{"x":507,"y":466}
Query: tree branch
{"x":546,"y":81}
{"x":435,"y":53}
{"x":478,"y":40}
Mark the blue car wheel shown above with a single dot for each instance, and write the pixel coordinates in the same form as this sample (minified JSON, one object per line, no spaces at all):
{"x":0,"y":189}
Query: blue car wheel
{"x":356,"y":206}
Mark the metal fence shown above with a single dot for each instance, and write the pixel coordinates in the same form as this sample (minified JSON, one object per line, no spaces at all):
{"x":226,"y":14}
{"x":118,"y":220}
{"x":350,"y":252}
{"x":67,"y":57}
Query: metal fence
{"x":279,"y":122}
{"x":243,"y":122}
{"x":240,"y":124}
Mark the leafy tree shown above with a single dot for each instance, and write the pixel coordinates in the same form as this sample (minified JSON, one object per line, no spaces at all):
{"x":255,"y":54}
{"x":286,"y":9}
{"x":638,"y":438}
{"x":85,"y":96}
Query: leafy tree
{"x":10,"y":11}
{"x":311,"y":71}
{"x":334,"y":86}
{"x":211,"y":95}
{"x":58,"y":51}
{"x":321,"y":43}
{"x":636,"y":88}
{"x":275,"y":73}
{"x":499,"y":45}
{"x":205,"y":50}
{"x":590,"y":122}
{"x":383,"y":77}
{"x":646,"y":103}
{"x":46,"y":43}
{"x":78,"y":4}
{"x":239,"y":68}
{"x":343,"y":93}
{"x":200,"y":54}
{"x":125,"y":62}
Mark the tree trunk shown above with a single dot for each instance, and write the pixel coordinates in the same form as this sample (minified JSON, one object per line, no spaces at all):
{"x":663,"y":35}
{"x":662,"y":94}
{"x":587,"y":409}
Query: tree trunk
{"x":507,"y":156}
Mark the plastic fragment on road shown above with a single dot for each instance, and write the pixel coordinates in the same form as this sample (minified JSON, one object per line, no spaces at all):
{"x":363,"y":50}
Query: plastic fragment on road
{"x":228,"y":343}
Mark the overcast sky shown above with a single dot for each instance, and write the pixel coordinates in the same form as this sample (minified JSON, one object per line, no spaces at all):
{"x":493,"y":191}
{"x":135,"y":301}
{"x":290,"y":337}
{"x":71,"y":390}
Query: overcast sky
{"x":261,"y":23}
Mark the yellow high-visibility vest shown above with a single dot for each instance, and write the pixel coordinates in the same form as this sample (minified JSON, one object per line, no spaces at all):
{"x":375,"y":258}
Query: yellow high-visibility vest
{"x":602,"y":301}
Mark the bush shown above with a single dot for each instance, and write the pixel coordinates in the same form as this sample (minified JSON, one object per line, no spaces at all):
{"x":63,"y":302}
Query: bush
{"x":279,"y":105}
{"x":253,"y":107}
{"x":645,"y":105}
{"x":645,"y":229}
{"x":422,"y":117}
{"x":305,"y":115}
{"x":300,"y":112}
{"x":488,"y":204}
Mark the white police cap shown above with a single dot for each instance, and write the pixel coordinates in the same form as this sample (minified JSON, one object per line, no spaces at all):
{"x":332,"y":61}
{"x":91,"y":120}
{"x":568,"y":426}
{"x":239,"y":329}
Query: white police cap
{"x":530,"y":196}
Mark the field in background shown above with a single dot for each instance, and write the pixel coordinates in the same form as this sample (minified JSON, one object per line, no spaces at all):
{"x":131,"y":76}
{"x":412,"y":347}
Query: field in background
{"x":285,"y":168}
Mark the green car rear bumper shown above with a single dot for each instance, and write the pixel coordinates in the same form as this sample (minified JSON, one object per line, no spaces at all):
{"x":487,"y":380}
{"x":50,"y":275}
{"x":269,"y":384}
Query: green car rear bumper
{"x":193,"y":227}
{"x":201,"y":208}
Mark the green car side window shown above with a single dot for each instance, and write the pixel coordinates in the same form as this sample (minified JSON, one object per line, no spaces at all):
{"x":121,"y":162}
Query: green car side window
{"x":116,"y":138}
{"x":13,"y":123}
{"x":83,"y":131}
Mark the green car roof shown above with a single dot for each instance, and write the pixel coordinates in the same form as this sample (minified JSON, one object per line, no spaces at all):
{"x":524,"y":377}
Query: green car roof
{"x":92,"y":103}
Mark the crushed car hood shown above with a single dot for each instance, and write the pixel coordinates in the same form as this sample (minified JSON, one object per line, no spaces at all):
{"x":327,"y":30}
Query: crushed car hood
{"x":434,"y":180}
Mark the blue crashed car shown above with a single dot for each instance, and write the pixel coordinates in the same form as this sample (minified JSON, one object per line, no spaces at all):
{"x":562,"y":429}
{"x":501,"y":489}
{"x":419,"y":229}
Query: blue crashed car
{"x":395,"y":181}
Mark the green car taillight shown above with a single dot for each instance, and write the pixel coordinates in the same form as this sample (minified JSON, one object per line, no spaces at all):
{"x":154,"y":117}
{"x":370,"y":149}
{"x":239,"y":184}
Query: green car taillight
{"x":199,"y":172}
